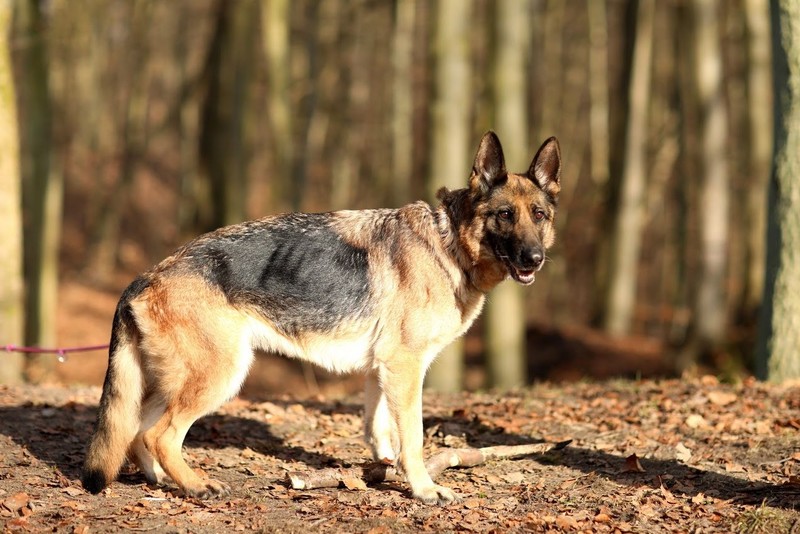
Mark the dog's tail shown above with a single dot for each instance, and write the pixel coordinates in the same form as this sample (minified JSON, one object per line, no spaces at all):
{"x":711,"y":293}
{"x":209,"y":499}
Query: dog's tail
{"x":119,"y":415}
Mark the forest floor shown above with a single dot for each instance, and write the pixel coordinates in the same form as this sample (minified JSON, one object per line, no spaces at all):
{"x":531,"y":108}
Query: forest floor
{"x":645,"y":456}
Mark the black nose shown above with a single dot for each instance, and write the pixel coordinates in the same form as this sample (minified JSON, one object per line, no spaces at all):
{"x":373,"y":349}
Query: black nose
{"x":532,"y":258}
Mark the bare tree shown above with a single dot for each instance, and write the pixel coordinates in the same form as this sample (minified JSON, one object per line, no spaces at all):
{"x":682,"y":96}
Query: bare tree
{"x":275,"y":30}
{"x":223,"y":147}
{"x":450,"y":147}
{"x":759,"y":72}
{"x":42,"y":189}
{"x":710,"y":310}
{"x":11,"y":309}
{"x":778,"y":357}
{"x":598,"y":90}
{"x":402,"y":90}
{"x":505,"y":310}
{"x":627,"y":232}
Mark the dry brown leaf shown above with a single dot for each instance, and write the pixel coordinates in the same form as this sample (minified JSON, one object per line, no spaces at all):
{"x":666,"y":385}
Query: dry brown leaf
{"x":566,"y":522}
{"x":353,"y":483}
{"x":696,"y":421}
{"x":682,"y":452}
{"x":648,"y":510}
{"x":472,"y":503}
{"x":514,"y":478}
{"x":699,"y":498}
{"x":721,"y":398}
{"x":72,"y":491}
{"x":732,"y":467}
{"x":16,"y":502}
{"x":709,"y":380}
{"x":632,"y":465}
{"x":602,"y":518}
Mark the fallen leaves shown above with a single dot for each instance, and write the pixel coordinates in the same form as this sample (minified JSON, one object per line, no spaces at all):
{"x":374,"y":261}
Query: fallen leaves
{"x":632,"y":465}
{"x":647,"y":456}
{"x":18,"y":504}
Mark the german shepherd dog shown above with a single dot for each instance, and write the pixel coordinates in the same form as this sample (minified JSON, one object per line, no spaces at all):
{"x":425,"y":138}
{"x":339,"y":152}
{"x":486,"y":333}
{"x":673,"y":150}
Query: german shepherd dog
{"x":380,"y":291}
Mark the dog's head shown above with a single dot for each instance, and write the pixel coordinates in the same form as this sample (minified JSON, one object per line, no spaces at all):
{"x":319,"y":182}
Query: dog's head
{"x":517,"y":211}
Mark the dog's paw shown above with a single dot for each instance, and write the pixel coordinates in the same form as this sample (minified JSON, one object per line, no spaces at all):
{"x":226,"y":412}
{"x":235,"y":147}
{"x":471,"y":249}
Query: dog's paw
{"x":436,"y":494}
{"x":208,"y":489}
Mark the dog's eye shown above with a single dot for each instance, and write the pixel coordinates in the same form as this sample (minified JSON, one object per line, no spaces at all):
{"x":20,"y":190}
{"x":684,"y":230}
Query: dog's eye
{"x":505,"y":215}
{"x":538,"y":215}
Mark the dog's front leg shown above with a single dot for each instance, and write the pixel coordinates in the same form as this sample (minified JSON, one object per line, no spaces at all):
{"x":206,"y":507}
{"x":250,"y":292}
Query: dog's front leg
{"x":401,"y":382}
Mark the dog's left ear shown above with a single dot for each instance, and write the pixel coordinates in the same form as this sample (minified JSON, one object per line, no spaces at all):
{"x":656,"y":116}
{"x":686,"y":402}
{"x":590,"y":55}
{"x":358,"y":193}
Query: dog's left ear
{"x":490,"y":165}
{"x":545,"y":169}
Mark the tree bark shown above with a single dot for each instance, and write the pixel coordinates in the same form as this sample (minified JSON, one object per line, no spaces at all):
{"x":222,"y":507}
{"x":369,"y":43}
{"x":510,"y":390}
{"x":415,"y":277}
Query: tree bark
{"x":778,"y":347}
{"x":42,"y":192}
{"x":11,"y":298}
{"x":504,"y":317}
{"x":402,"y":110}
{"x":627,"y":232}
{"x":710,"y":306}
{"x":760,"y":147}
{"x":275,"y":28}
{"x":598,"y":91}
{"x":452,"y":105}
{"x":223,"y":150}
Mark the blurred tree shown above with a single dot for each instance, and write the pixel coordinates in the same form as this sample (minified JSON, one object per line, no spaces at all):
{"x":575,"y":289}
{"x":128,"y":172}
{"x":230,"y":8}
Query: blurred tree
{"x":223,"y":140}
{"x":11,"y":298}
{"x":402,"y":105}
{"x":778,"y":347}
{"x":42,"y":188}
{"x":710,"y":310}
{"x":131,"y":137}
{"x":450,"y":146}
{"x":627,"y":230}
{"x":275,"y":17}
{"x":759,"y":142}
{"x":598,"y":90}
{"x":504,"y":317}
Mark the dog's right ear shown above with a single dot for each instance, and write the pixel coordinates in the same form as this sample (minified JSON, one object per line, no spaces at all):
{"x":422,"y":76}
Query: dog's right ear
{"x":489,"y":168}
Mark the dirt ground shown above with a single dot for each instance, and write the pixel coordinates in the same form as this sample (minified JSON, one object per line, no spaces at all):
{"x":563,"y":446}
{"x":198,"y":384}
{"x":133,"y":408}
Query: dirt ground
{"x":645,"y":456}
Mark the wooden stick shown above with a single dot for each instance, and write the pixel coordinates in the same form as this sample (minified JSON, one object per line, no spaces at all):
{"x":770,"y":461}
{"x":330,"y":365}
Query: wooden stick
{"x":356,"y":477}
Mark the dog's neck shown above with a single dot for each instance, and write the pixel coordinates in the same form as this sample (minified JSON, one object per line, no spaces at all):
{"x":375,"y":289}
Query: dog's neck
{"x":455,"y":219}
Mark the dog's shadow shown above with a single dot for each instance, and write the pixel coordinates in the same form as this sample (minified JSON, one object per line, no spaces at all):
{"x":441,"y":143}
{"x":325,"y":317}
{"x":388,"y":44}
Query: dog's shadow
{"x":57,"y":437}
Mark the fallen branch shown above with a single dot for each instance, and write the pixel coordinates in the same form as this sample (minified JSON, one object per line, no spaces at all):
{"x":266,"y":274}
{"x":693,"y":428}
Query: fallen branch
{"x":359,"y":477}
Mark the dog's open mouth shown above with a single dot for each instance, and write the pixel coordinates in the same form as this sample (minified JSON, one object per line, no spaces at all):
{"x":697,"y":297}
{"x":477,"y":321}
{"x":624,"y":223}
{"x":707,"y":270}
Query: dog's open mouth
{"x":523,"y":276}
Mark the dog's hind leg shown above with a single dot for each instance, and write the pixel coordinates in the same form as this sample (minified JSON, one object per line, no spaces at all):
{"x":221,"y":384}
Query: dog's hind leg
{"x":379,"y":425}
{"x":165,"y":439}
{"x":152,"y":410}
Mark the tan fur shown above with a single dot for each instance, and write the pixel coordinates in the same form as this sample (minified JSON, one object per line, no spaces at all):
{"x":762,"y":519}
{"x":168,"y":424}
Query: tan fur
{"x":192,"y":347}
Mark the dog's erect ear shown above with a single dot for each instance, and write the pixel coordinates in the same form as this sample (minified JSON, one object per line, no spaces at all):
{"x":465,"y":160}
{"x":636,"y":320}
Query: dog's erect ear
{"x":490,"y":166}
{"x":545,"y":168}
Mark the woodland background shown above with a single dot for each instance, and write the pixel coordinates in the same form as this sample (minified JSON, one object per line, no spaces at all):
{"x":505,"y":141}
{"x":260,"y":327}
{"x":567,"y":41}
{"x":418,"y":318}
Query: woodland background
{"x":129,"y":126}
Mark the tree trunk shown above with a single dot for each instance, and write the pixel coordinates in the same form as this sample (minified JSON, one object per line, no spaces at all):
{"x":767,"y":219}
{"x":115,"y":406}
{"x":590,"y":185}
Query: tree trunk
{"x":760,"y":148}
{"x":778,"y":348}
{"x":402,"y":110}
{"x":452,"y":104}
{"x":626,"y":239}
{"x":710,"y":306}
{"x":598,"y":90}
{"x":506,"y":356}
{"x":42,"y":192}
{"x":223,"y":151}
{"x":11,"y":298}
{"x":104,"y":247}
{"x":275,"y":28}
